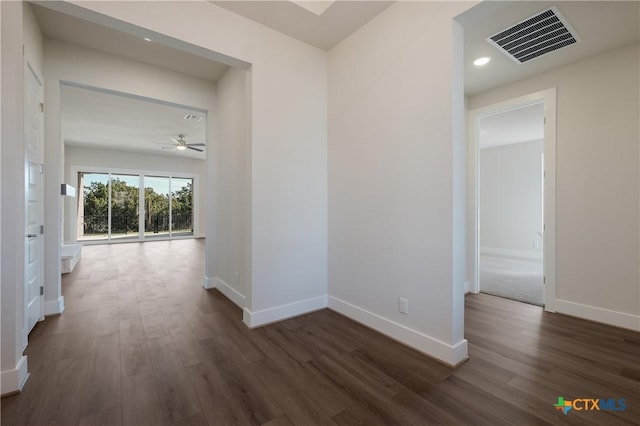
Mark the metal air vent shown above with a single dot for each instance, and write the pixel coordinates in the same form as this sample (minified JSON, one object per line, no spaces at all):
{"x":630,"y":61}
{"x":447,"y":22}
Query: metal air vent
{"x":536,"y":36}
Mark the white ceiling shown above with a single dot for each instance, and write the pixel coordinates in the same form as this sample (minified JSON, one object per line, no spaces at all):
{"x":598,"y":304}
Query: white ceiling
{"x":301,"y":20}
{"x":518,"y":125}
{"x":119,"y":121}
{"x":601,"y":25}
{"x":124,"y":123}
{"x":78,"y":31}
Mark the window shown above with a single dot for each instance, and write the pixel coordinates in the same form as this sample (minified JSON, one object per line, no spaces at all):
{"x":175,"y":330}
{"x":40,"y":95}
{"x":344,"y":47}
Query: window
{"x":120,"y":206}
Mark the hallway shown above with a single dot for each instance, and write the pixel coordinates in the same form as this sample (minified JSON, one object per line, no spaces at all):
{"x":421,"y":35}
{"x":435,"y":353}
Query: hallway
{"x":142,"y":343}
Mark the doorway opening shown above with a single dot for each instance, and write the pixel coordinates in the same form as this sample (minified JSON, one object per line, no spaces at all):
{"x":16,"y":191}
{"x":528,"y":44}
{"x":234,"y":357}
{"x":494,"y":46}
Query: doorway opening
{"x":512,"y":202}
{"x":138,"y":163}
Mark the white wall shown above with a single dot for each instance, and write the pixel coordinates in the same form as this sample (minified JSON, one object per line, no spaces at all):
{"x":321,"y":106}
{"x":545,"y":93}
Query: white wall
{"x":396,"y":176}
{"x":75,"y":156}
{"x":12,"y":216}
{"x":288,"y":141}
{"x":18,"y":27}
{"x":598,"y":183}
{"x":11,"y":329}
{"x":2,"y":147}
{"x":232,"y":179}
{"x":511,"y":199}
{"x":65,"y":62}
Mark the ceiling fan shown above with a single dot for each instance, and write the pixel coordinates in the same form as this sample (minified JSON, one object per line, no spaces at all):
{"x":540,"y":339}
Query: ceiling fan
{"x":181,"y":144}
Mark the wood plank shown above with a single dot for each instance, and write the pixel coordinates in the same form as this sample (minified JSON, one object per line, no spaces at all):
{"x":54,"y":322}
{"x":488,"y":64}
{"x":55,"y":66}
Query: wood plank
{"x":135,"y":359}
{"x":103,"y":391}
{"x":259,"y":405}
{"x":282,"y":420}
{"x":110,"y":417}
{"x":298,"y":407}
{"x":214,"y":396}
{"x":142,"y":343}
{"x":178,"y":399}
{"x":141,"y":404}
{"x":197,"y":420}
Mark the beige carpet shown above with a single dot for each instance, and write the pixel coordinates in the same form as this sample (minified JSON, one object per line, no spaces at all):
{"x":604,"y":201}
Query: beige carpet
{"x":514,"y":278}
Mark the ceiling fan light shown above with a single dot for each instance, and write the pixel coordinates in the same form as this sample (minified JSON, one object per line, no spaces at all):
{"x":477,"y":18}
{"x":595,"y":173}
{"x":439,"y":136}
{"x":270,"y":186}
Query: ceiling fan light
{"x":181,"y":147}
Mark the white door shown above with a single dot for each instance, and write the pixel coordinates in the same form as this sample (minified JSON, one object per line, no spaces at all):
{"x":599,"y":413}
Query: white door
{"x":34,"y":247}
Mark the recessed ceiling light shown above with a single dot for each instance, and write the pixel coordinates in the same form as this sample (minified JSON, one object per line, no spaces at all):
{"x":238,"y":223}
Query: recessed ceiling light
{"x":482,"y":61}
{"x":147,"y":39}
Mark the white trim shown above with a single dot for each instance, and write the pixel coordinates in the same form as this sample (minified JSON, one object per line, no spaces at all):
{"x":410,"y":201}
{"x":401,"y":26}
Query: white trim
{"x":592,"y":313}
{"x":54,"y":307}
{"x":70,"y":257}
{"x":15,"y":379}
{"x":449,"y":354}
{"x":502,"y":252}
{"x":230,"y":292}
{"x":208,"y":283}
{"x":131,"y":240}
{"x":549,"y":200}
{"x":547,"y":96}
{"x":282,"y":312}
{"x":77,"y":85}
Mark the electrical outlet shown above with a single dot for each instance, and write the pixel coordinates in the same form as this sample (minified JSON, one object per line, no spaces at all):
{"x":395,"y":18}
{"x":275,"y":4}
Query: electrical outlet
{"x":403,"y":306}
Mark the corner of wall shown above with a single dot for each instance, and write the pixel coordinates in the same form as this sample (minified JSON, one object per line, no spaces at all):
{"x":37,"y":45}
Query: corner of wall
{"x":451,"y":355}
{"x":14,"y":380}
{"x":283,"y":312}
{"x":54,"y":307}
{"x":231,"y":293}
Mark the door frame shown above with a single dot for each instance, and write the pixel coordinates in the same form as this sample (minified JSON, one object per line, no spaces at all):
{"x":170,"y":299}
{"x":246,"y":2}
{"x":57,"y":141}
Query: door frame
{"x":548,"y":97}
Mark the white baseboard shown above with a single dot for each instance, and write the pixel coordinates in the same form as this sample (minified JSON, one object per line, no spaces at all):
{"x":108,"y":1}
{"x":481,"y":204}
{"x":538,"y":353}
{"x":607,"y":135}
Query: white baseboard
{"x":54,"y":307}
{"x":282,"y":312}
{"x":14,"y":380}
{"x":501,"y":252}
{"x":448,"y":354}
{"x":592,"y":313}
{"x":230,"y":292}
{"x":208,"y":283}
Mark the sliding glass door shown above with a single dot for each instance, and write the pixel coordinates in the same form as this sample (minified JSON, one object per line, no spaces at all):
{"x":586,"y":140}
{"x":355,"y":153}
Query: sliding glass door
{"x":157,"y":206}
{"x":124,"y":206}
{"x":134,"y":206}
{"x":93,"y":206}
{"x":181,"y":206}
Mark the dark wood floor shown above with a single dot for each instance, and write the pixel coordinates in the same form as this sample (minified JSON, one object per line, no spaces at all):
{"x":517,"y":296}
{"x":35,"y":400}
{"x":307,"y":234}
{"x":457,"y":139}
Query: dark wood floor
{"x":141,"y":343}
